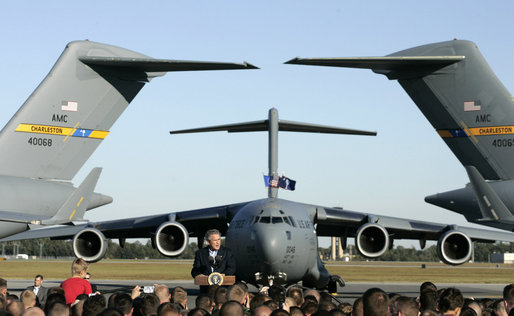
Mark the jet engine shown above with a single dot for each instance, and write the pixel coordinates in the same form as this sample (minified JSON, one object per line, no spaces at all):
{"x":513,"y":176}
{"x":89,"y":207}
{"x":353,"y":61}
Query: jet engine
{"x":171,"y":239}
{"x":454,"y":247}
{"x":89,"y":244}
{"x":372,"y":240}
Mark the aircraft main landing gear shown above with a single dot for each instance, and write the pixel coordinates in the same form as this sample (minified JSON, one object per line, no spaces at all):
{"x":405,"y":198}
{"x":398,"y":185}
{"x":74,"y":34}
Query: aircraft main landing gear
{"x":333,"y":282}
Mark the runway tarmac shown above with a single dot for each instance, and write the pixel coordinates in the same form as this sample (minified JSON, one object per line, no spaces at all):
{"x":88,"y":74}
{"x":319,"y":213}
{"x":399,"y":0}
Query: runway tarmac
{"x":349,"y":293}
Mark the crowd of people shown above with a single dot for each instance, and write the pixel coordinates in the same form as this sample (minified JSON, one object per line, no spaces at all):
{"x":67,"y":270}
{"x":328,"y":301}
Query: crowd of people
{"x":76,"y":297}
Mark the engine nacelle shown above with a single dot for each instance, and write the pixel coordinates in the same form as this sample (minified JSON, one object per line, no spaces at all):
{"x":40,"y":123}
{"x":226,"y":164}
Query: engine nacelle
{"x":454,"y":247}
{"x":89,"y":244}
{"x":171,"y":239}
{"x":372,"y":240}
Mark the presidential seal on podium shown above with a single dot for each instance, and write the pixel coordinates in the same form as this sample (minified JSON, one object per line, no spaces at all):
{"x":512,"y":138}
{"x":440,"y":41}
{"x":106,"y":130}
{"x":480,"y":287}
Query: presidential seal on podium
{"x":215,"y":278}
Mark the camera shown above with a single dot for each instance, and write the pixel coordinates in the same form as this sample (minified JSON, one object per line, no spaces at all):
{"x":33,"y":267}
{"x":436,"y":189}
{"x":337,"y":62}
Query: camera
{"x":147,"y":289}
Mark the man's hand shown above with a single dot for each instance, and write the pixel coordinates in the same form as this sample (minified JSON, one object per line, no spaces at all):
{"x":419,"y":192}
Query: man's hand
{"x":136,"y":292}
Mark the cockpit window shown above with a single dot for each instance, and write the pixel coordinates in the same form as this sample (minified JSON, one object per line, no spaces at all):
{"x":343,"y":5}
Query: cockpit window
{"x":276,"y":220}
{"x":265,"y":219}
{"x":273,"y":220}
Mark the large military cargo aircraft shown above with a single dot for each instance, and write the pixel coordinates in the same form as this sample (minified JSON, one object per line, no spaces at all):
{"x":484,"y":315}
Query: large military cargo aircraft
{"x":472,"y":111}
{"x":274,"y":240}
{"x":61,"y":124}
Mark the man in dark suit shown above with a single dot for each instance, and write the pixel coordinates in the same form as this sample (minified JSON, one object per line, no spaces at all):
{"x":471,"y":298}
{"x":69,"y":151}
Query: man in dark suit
{"x":39,"y":290}
{"x":214,"y":258}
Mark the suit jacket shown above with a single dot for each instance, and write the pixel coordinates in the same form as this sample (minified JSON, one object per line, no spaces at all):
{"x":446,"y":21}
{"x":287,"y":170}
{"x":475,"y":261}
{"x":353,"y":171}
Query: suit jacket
{"x":225,"y":262}
{"x":41,"y":294}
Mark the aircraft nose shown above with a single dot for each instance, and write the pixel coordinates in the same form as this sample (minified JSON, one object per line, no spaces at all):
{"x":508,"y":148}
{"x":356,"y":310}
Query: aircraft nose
{"x":270,"y":243}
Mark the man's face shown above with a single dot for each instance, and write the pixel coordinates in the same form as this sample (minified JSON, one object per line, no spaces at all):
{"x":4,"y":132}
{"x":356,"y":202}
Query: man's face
{"x":215,"y":242}
{"x":37,"y":282}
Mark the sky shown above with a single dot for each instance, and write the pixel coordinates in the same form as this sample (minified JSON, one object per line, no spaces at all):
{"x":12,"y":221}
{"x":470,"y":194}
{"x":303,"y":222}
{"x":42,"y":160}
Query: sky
{"x":147,"y":171}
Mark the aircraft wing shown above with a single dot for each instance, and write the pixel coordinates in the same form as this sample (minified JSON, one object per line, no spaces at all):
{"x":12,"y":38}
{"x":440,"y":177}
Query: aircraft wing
{"x":374,"y":234}
{"x":338,"y":220}
{"x":197,"y":222}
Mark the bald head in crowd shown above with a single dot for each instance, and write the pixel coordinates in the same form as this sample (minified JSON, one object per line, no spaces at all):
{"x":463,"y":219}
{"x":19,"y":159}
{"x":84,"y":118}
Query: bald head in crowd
{"x":15,"y":308}
{"x":375,"y":302}
{"x":33,"y":311}
{"x":231,"y":308}
{"x":237,"y":293}
{"x":262,"y":310}
{"x":406,"y":306}
{"x":167,"y":309}
{"x":28,"y":298}
{"x":163,"y":293}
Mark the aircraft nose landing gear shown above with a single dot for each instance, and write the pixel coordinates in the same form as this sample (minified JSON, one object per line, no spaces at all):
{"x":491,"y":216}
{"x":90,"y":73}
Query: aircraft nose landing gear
{"x":333,"y":282}
{"x":268,"y":280}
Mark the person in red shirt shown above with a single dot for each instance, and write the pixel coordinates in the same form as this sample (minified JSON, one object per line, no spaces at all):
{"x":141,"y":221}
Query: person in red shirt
{"x":76,"y":285}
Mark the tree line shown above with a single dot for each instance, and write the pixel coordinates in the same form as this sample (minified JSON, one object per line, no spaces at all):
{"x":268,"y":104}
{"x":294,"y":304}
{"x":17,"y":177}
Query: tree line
{"x":482,"y":253}
{"x":63,"y":248}
{"x":138,"y":250}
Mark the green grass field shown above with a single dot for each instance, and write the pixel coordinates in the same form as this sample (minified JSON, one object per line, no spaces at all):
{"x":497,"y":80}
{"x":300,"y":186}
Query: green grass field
{"x":180,"y":269}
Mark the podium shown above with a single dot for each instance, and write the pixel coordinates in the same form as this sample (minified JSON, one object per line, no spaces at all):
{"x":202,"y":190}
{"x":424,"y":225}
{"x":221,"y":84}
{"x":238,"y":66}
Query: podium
{"x":203,"y":280}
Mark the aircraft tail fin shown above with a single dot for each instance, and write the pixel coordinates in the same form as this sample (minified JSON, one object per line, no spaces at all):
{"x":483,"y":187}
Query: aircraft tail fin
{"x":491,"y":206}
{"x":75,"y":206}
{"x":273,"y":125}
{"x":68,"y":115}
{"x":456,"y":90}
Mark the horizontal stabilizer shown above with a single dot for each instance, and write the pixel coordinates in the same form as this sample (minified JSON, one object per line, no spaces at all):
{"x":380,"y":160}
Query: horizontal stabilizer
{"x":54,"y":232}
{"x":161,"y":65}
{"x":393,"y":67}
{"x":288,"y":126}
{"x":75,"y":206}
{"x":491,"y":206}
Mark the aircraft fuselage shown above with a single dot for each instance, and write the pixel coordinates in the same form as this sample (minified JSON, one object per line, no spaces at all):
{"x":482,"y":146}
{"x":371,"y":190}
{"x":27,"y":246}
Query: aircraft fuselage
{"x":34,"y":199}
{"x":275,"y":240}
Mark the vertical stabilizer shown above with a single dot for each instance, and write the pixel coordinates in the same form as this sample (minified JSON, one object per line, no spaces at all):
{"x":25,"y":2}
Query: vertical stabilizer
{"x":65,"y":119}
{"x":76,"y":204}
{"x":458,"y":93}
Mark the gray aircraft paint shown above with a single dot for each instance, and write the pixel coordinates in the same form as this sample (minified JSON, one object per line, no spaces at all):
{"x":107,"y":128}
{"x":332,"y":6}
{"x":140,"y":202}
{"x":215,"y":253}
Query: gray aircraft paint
{"x":61,"y":124}
{"x":473,"y":112}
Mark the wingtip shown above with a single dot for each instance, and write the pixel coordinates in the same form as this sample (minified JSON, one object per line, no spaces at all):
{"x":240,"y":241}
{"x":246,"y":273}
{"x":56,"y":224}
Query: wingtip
{"x":293,"y":61}
{"x":250,"y":66}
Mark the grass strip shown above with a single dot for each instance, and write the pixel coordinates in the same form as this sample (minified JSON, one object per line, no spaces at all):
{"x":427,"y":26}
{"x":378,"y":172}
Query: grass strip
{"x":180,"y":270}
